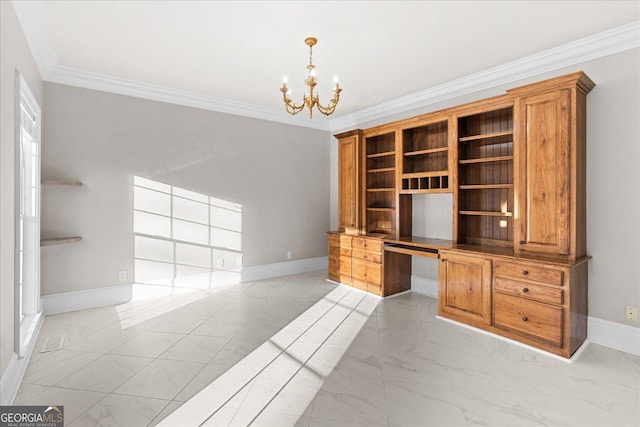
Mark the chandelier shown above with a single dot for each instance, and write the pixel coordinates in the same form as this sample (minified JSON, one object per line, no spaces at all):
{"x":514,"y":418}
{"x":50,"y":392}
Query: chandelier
{"x":311,"y":99}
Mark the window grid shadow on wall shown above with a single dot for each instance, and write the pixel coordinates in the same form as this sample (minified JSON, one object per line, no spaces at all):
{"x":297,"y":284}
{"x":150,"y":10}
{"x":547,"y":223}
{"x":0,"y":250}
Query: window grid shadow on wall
{"x":184,"y":238}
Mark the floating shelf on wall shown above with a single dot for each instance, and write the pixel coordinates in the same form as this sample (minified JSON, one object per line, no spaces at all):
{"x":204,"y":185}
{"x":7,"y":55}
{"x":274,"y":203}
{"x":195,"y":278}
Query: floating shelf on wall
{"x":60,"y":182}
{"x":59,"y":241}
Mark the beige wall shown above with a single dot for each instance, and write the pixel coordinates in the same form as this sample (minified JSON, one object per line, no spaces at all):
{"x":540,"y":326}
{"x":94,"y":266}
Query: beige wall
{"x":14,"y":55}
{"x":278,"y":173}
{"x":613,"y":183}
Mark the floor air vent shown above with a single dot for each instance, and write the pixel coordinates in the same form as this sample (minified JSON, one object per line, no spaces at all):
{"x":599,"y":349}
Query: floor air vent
{"x":52,"y":344}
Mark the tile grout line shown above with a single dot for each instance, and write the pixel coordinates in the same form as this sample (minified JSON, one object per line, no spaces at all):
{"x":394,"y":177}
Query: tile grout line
{"x":279,"y":354}
{"x":306,"y":361}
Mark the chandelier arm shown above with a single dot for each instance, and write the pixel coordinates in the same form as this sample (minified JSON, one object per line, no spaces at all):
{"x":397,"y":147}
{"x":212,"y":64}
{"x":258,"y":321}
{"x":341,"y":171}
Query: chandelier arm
{"x":333,"y":103}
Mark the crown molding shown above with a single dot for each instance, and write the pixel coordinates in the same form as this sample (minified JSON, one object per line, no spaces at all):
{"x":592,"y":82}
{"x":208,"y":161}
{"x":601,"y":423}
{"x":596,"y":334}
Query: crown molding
{"x":73,"y":77}
{"x":33,"y":18}
{"x":596,"y":46}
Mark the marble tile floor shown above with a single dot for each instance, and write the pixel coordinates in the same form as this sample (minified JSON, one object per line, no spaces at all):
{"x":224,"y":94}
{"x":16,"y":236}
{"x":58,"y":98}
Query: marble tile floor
{"x":301,"y":351}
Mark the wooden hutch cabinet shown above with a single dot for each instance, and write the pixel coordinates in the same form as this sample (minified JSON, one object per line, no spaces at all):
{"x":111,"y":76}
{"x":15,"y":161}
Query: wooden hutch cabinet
{"x":515,"y":164}
{"x":349,"y":180}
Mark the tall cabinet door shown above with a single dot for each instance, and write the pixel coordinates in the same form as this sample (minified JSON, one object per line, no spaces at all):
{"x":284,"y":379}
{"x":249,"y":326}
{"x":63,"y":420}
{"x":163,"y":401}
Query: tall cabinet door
{"x":348,"y":180}
{"x":464,"y":288}
{"x":541,"y":180}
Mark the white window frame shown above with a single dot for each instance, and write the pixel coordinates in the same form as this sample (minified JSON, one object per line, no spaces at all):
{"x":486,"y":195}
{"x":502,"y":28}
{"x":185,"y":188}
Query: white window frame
{"x":27,"y":307}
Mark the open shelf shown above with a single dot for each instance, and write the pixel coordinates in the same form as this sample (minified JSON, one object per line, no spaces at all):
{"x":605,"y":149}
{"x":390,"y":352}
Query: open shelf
{"x":486,"y":213}
{"x":480,"y":137}
{"x":380,"y":183}
{"x":381,"y":209}
{"x":381,"y":189}
{"x":486,"y":160}
{"x":486,"y":186}
{"x":378,"y":170}
{"x":60,"y":182}
{"x":59,"y":241}
{"x":383,"y":154}
{"x":429,"y":151}
{"x":485,"y":178}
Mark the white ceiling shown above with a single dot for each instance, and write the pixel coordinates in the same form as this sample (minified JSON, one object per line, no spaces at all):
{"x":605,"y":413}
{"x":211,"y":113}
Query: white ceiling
{"x":238,"y":51}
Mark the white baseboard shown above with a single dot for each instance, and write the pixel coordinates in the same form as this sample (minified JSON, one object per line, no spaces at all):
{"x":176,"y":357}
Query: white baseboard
{"x":615,"y":335}
{"x":424,"y":286}
{"x":89,"y":298}
{"x":12,"y":376}
{"x":267,"y":271}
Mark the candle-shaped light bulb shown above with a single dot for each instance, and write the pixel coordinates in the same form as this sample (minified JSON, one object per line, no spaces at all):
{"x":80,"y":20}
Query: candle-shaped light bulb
{"x":285,"y":80}
{"x":336,"y":84}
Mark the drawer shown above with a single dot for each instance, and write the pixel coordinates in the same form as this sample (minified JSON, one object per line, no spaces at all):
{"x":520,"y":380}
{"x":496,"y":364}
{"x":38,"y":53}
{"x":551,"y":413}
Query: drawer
{"x":528,"y":272}
{"x":345,"y":241}
{"x":359,"y":269}
{"x":366,"y":271}
{"x":529,"y":290}
{"x":367,"y":256}
{"x":360,"y":284}
{"x":374,"y":273}
{"x":374,"y":289}
{"x":371,"y":245}
{"x":345,"y":267}
{"x":333,"y":252}
{"x":536,"y":320}
{"x":333,"y":239}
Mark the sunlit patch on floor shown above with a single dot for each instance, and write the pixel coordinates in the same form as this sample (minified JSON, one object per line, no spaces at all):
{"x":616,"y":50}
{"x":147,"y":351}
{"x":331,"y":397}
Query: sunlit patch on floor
{"x":283,"y":375}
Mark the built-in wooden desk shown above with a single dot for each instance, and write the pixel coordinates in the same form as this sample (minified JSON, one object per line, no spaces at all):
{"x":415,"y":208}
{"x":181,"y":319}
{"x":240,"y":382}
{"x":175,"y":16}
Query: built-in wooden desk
{"x":415,"y":245}
{"x":397,"y":259}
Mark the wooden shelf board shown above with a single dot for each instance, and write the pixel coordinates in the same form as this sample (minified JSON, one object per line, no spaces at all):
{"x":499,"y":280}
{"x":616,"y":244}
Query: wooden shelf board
{"x":373,"y":190}
{"x":486,"y":213}
{"x":60,"y":182}
{"x":485,"y":136}
{"x":486,"y":160}
{"x":59,"y":241}
{"x":425,"y":174}
{"x":375,"y":209}
{"x":486,"y":186}
{"x":380,"y":170}
{"x":383,"y":154}
{"x":428,"y":151}
{"x":425,"y":191}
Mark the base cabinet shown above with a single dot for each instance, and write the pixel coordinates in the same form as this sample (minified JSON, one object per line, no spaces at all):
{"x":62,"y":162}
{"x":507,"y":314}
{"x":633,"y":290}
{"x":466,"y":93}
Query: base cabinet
{"x":538,"y":302}
{"x":356,"y":261}
{"x":465,"y":288}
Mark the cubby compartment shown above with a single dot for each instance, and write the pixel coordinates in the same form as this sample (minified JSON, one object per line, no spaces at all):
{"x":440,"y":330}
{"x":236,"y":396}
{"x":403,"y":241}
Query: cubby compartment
{"x":425,"y":158}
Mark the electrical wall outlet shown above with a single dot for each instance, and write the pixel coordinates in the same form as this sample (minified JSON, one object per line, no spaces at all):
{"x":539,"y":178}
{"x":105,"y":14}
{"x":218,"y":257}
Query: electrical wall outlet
{"x":220,"y":263}
{"x":122,"y":275}
{"x":239,"y":261}
{"x":289,"y":254}
{"x":632,"y":313}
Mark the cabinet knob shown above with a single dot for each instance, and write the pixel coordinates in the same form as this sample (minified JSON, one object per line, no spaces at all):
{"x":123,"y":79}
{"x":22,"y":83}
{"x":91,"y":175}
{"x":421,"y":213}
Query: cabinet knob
{"x":522,"y":242}
{"x":525,"y":290}
{"x":525,"y":272}
{"x":525,"y":318}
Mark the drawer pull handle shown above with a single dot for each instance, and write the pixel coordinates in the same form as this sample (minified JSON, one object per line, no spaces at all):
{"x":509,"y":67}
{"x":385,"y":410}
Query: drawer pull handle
{"x":525,"y":272}
{"x":525,"y":318}
{"x":525,"y":290}
{"x":522,"y":242}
